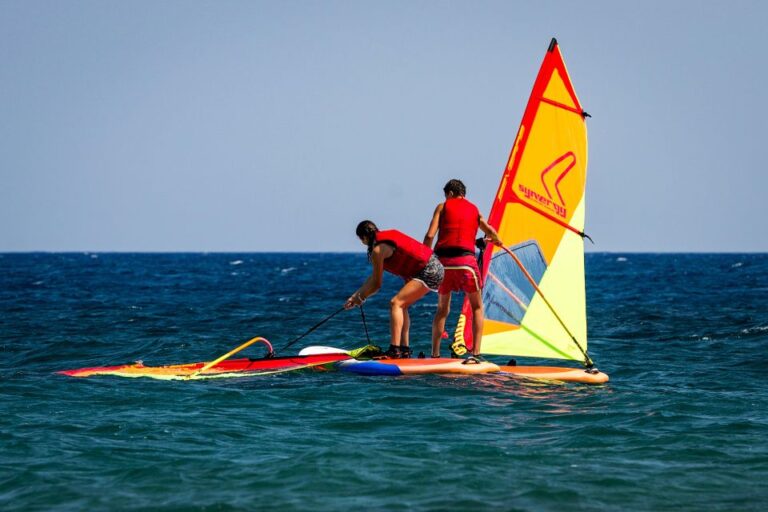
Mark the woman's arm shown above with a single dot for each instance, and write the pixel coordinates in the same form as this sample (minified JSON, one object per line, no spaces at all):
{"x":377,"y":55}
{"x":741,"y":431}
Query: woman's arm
{"x":373,"y":283}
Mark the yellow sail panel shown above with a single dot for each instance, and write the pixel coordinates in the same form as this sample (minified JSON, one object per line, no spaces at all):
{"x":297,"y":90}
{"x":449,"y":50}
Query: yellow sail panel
{"x":526,"y":343}
{"x":536,"y":284}
{"x":540,"y":334}
{"x":556,"y":91}
{"x":549,"y":180}
{"x":495,"y":327}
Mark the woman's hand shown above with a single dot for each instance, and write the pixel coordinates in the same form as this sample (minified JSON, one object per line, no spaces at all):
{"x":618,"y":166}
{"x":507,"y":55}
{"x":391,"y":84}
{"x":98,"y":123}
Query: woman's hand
{"x":354,"y":300}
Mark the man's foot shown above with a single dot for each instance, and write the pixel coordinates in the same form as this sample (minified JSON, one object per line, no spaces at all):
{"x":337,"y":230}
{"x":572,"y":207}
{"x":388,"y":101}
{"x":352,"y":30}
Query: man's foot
{"x":405,"y":352}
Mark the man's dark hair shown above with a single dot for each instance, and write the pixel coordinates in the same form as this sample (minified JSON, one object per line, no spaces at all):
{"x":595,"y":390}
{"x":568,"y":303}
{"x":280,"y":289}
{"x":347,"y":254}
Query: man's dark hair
{"x":457,"y":187}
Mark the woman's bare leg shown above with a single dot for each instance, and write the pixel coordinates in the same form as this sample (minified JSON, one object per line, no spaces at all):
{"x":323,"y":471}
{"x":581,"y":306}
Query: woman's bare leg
{"x":408,"y":294}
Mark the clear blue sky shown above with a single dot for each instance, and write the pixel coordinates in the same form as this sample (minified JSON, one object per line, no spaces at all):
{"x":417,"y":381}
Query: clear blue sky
{"x":262,"y":126}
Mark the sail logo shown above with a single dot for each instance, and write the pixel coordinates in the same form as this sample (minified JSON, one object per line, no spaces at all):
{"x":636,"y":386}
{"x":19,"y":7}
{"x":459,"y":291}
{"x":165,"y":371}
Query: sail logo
{"x":563,"y":164}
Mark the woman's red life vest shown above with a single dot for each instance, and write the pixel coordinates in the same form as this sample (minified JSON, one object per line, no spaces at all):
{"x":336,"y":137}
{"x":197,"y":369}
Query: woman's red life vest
{"x":410,"y":255}
{"x":458,"y":226}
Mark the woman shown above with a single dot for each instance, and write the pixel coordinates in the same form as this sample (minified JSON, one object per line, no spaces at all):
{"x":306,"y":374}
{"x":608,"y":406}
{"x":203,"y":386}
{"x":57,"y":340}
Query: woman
{"x":403,"y":256}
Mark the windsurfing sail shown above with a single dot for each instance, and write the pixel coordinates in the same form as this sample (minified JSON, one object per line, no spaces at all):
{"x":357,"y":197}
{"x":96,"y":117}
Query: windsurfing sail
{"x":535,"y":304}
{"x":226,"y":369}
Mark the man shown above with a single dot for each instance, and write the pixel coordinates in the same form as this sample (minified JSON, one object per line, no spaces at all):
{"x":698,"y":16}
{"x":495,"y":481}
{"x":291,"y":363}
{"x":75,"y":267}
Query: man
{"x":456,"y":222}
{"x":407,"y":258}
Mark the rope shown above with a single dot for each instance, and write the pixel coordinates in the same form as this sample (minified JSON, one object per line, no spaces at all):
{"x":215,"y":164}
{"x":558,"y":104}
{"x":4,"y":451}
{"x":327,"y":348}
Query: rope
{"x":321,"y":322}
{"x":365,"y":325}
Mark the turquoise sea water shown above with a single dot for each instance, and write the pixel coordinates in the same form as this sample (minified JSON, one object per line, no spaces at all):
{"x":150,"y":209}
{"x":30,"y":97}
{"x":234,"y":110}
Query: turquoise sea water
{"x":683,"y":424}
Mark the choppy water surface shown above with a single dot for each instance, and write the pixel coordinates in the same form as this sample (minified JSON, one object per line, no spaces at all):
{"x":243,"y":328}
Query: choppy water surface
{"x":683,"y":424}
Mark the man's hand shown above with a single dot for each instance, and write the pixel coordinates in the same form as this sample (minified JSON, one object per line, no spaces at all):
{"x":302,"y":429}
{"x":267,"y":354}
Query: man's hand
{"x":495,"y":241}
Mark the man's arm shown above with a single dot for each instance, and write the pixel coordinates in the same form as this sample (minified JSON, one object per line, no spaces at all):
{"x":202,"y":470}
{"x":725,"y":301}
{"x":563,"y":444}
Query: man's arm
{"x":433,"y":226}
{"x":488,"y":230}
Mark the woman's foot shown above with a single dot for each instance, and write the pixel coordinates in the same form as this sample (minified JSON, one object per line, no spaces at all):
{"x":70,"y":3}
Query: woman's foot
{"x":393,"y":352}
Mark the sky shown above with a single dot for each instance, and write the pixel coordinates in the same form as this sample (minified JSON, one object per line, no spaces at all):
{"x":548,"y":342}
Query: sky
{"x":278,"y":126}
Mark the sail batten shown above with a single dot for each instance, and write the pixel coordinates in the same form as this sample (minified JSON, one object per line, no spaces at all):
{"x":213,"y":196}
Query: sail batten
{"x":534,"y":293}
{"x":564,"y":107}
{"x":549,"y":217}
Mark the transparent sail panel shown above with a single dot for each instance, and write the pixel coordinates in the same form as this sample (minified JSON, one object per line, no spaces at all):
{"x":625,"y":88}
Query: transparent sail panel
{"x":508,"y":293}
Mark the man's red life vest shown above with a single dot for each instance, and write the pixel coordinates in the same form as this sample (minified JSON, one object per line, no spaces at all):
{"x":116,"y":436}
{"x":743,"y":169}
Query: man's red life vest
{"x":410,"y":255}
{"x":458,"y":227}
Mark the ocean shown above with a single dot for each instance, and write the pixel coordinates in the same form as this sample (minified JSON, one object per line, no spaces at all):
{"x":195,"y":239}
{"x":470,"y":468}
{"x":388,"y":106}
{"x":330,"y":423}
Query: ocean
{"x":682,"y":425}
